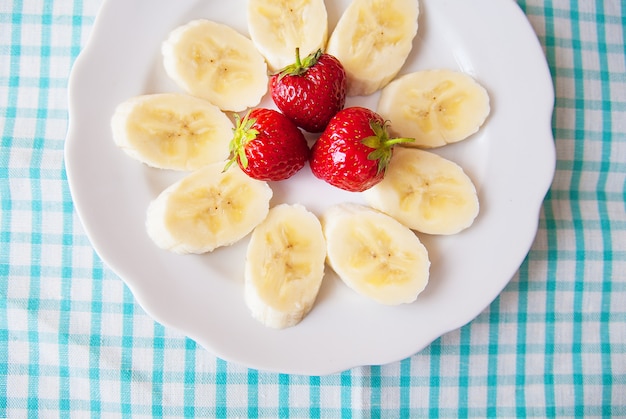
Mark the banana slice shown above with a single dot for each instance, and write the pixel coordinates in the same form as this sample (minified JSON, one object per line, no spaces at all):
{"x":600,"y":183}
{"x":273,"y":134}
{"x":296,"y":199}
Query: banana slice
{"x":284,"y":266}
{"x":207,"y":209}
{"x":436,"y":107}
{"x":374,"y":254}
{"x":425,"y":192}
{"x":278,"y":27}
{"x":215,"y":62}
{"x":373,"y":39}
{"x":172,"y":131}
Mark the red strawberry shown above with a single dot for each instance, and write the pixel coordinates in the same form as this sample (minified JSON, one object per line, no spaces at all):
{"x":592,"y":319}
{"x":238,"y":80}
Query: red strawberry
{"x":267,"y":145}
{"x":353,"y":151}
{"x":311,"y":91}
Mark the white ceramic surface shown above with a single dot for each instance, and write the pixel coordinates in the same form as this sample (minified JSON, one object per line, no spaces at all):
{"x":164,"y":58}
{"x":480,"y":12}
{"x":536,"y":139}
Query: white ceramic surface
{"x":511,"y":160}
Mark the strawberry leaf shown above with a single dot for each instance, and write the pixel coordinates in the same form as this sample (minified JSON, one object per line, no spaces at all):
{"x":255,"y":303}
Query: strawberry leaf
{"x":300,"y":66}
{"x":372,"y":141}
{"x":243,"y":133}
{"x":381,"y":143}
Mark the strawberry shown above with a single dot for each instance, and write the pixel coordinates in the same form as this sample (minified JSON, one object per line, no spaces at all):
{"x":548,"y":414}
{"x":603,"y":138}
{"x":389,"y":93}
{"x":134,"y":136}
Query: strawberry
{"x":311,"y":91}
{"x":267,"y":145}
{"x":353,"y":151}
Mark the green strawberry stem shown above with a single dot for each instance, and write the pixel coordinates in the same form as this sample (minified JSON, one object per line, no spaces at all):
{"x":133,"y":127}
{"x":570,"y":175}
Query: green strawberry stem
{"x":242,"y":135}
{"x":382,"y":144}
{"x":300,"y":66}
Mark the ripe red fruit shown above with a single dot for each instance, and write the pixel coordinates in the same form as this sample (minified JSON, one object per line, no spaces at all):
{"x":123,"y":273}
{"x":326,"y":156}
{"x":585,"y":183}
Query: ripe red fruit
{"x":353,"y":151}
{"x":311,"y":91}
{"x":267,"y":145}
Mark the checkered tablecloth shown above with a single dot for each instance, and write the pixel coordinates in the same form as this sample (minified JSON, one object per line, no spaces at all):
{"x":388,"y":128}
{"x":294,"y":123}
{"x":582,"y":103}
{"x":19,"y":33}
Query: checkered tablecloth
{"x":74,"y":342}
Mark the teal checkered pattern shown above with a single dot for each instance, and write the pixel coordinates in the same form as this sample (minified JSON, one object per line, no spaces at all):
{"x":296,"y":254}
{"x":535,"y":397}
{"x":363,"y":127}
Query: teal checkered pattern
{"x":73,"y":341}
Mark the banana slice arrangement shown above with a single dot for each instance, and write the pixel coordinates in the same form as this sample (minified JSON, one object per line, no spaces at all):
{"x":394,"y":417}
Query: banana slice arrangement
{"x":374,"y":254}
{"x":278,"y":27}
{"x":375,"y":248}
{"x":436,"y":107}
{"x":373,"y":39}
{"x":172,"y":131}
{"x":284,"y":266}
{"x":425,"y":192}
{"x":213,"y":61}
{"x":207,"y":209}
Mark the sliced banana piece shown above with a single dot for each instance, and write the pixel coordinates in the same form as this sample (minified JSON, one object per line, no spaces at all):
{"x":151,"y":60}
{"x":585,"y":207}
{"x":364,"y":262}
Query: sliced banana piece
{"x":214,"y":61}
{"x":425,"y":192}
{"x":207,"y":209}
{"x":284,"y":266}
{"x":436,"y":107}
{"x":374,"y":254}
{"x":373,"y":39}
{"x":278,"y":27}
{"x":172,"y":131}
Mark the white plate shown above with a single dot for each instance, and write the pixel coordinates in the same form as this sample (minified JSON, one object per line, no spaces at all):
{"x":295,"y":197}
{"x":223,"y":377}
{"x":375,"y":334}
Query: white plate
{"x":511,"y":160}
